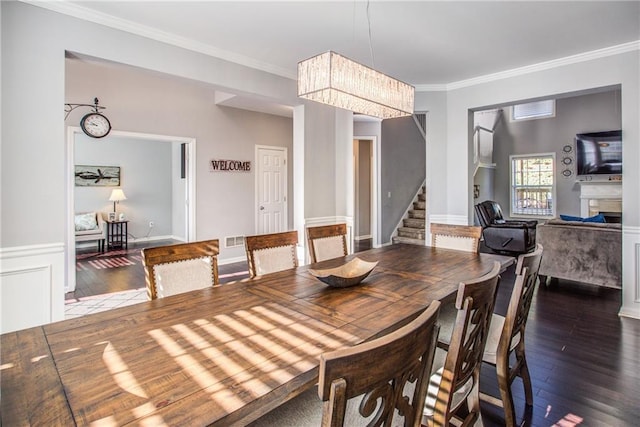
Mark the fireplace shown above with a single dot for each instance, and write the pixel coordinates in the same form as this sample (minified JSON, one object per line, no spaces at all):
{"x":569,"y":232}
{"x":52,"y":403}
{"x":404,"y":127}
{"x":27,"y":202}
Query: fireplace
{"x":603,"y":197}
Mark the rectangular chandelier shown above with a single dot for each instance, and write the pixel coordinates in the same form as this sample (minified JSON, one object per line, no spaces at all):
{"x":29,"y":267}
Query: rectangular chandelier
{"x":332,"y":79}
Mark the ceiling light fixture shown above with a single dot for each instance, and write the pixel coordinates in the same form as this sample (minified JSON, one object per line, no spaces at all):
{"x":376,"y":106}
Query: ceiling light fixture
{"x":333,"y":79}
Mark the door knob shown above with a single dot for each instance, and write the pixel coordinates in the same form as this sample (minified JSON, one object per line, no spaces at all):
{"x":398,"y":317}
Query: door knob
{"x":261,"y":208}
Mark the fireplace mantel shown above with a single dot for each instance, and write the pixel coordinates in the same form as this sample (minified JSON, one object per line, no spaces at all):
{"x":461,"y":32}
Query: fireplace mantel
{"x":597,"y":196}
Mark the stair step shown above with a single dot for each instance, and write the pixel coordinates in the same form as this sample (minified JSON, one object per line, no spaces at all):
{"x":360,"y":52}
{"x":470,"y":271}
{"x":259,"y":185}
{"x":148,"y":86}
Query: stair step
{"x":419,"y":205}
{"x":398,"y":239}
{"x":413,"y":233}
{"x":414,"y":223}
{"x":422,"y":197}
{"x":418,"y":213}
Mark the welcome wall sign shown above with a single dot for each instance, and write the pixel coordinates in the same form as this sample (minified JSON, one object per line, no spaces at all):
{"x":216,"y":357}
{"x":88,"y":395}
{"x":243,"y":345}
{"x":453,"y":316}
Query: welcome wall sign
{"x":217,"y":165}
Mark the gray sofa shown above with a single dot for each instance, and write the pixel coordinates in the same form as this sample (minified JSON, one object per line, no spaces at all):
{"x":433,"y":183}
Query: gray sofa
{"x":582,"y":251}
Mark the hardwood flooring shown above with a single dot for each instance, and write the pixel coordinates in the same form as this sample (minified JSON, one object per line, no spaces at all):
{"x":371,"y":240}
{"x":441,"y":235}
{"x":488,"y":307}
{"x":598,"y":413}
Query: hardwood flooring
{"x":584,"y":360}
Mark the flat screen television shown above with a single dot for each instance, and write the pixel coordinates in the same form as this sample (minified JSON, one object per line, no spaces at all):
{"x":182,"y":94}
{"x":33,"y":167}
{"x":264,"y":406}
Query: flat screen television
{"x":599,"y":153}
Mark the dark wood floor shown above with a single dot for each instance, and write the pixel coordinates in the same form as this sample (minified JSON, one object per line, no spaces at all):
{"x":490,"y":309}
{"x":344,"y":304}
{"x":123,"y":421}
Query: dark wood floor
{"x":584,"y":359}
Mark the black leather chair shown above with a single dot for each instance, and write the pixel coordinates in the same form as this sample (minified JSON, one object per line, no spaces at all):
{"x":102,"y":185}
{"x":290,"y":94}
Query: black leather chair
{"x":509,"y":237}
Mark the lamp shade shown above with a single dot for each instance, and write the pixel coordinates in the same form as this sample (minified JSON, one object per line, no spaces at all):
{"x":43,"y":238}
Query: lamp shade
{"x":335,"y":80}
{"x":117,"y":195}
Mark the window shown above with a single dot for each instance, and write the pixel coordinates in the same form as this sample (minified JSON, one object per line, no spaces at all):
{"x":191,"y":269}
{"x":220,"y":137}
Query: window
{"x":532,"y":185}
{"x":533,"y":110}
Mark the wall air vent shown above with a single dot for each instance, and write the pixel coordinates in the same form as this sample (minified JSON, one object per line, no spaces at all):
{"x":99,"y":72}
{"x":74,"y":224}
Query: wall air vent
{"x":234,"y":241}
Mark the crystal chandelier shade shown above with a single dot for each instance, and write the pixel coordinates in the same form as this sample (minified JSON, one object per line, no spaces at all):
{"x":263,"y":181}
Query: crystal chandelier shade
{"x":332,"y":79}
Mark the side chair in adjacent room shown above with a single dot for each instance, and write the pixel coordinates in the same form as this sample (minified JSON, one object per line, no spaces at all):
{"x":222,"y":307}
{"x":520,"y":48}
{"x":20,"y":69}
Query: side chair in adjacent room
{"x":327,"y":242}
{"x":506,"y":337}
{"x":179,"y":268}
{"x":268,"y":253}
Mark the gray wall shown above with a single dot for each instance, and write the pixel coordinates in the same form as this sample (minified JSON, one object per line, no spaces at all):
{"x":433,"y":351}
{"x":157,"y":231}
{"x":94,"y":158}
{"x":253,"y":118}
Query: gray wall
{"x":145,"y":102}
{"x":34,"y":42}
{"x":576,"y":114}
{"x":145,"y":178}
{"x":402,"y":170}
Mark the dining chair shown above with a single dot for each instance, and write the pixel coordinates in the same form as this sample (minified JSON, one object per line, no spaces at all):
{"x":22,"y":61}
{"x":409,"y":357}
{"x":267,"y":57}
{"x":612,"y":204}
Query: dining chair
{"x":183,"y":267}
{"x":460,"y":237}
{"x":378,"y":382}
{"x":457,"y":382}
{"x":268,"y":253}
{"x":506,"y":337}
{"x":327,"y":242}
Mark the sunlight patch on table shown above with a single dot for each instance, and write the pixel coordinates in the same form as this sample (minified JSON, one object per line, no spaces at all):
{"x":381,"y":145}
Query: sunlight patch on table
{"x":225,"y":398}
{"x":214,"y":331}
{"x":142,"y":412}
{"x":120,"y":372}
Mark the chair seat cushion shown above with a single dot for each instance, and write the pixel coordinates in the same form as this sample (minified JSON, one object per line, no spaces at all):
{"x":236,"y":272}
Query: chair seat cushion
{"x":495,"y":331}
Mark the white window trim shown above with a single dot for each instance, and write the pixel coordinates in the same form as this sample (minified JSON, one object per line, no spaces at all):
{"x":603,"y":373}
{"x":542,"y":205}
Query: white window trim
{"x":553,"y":190}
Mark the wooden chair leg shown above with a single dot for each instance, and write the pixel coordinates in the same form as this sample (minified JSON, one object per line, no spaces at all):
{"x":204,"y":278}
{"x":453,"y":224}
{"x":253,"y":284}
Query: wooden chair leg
{"x":524,"y":374}
{"x":502,"y":369}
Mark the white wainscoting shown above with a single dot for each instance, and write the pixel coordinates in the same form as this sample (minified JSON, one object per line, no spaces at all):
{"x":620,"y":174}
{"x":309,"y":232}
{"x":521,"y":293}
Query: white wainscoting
{"x":630,"y":272}
{"x":326,"y":220}
{"x":31,"y":286}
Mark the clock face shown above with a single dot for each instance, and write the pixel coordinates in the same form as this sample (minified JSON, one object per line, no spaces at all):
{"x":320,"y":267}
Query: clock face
{"x":95,"y":125}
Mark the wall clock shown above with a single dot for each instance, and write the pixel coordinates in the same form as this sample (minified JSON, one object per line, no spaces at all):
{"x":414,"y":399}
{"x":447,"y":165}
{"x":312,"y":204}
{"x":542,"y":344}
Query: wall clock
{"x":95,"y":125}
{"x":567,"y":161}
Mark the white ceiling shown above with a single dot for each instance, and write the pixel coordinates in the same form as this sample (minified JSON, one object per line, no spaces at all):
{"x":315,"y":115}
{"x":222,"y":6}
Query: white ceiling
{"x":428,"y":44}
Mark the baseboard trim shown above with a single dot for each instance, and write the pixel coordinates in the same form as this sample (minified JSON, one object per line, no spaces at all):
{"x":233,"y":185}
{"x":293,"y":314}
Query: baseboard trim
{"x":155,"y":238}
{"x":366,"y":237}
{"x":231,"y":260}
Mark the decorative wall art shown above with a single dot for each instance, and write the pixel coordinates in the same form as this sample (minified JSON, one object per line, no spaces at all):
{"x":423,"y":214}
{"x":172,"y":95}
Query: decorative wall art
{"x":567,"y":161}
{"x":97,"y":176}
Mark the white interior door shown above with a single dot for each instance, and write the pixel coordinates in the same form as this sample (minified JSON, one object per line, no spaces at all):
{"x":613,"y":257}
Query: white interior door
{"x":271,"y":189}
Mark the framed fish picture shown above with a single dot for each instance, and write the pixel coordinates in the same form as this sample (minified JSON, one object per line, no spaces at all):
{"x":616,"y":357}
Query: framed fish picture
{"x":97,"y":176}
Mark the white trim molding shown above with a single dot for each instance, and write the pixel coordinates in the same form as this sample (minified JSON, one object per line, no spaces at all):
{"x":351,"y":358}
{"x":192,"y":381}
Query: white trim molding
{"x":31,"y":286}
{"x":630,"y":272}
{"x":547,"y":65}
{"x":87,"y":14}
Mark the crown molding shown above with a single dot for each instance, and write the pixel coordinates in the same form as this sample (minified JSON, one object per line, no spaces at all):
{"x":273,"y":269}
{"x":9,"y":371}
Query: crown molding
{"x":77,"y":11}
{"x":431,"y":87}
{"x":547,"y":65}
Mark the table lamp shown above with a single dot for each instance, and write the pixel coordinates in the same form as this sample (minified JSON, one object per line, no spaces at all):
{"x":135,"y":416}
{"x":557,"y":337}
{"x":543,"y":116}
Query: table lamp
{"x":117,"y":195}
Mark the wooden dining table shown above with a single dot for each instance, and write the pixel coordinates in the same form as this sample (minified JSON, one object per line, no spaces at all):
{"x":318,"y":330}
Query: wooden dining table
{"x":218,"y":356}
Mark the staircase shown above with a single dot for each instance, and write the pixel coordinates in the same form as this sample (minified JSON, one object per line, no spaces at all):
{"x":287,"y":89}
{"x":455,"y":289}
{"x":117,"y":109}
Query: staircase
{"x":412,"y":229}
